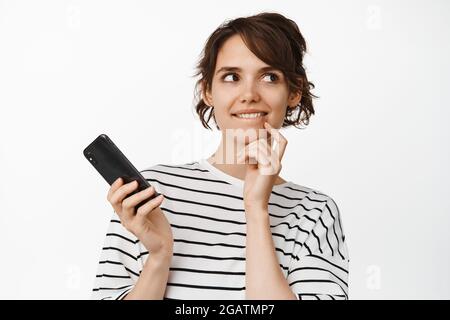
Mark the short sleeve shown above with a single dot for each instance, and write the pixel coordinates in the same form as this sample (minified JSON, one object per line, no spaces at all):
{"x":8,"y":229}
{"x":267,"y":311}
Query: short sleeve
{"x":320,"y":267}
{"x":120,"y":263}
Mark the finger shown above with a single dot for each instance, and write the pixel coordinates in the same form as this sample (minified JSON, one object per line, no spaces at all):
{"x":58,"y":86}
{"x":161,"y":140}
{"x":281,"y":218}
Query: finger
{"x":270,"y":139}
{"x":270,"y":163}
{"x":265,"y":156}
{"x":266,"y":147}
{"x":281,"y":147}
{"x":279,"y":138}
{"x":121,"y":193}
{"x":116,"y":185}
{"x":244,"y":149}
{"x":264,"y":152}
{"x":242,"y":155}
{"x":130,"y":203}
{"x":149,"y":206}
{"x":258,"y":152}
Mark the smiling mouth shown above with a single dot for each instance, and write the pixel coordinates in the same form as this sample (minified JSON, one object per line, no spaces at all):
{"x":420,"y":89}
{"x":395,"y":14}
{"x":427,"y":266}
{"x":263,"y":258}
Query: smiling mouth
{"x":250,"y":116}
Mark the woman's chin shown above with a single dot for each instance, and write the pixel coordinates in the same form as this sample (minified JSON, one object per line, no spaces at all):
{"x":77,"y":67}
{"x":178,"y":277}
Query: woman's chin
{"x":246,"y":134}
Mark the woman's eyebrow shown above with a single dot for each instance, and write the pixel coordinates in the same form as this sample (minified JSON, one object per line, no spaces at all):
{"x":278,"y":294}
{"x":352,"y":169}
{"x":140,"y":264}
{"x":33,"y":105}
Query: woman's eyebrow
{"x":263,"y":69}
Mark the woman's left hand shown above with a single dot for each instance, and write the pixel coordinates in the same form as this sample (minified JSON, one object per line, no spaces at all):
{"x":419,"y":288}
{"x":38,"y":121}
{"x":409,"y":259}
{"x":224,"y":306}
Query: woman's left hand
{"x":261,"y":176}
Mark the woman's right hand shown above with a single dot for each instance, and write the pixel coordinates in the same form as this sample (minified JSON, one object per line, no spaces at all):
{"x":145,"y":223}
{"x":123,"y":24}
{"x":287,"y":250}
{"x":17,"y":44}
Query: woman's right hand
{"x":149,"y":223}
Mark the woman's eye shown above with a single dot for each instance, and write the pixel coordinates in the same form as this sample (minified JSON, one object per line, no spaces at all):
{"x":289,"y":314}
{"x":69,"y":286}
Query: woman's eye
{"x":273,"y":75}
{"x":229,"y":74}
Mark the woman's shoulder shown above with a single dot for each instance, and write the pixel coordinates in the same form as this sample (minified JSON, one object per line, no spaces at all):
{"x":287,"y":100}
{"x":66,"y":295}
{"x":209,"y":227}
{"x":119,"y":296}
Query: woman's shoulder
{"x":163,"y":166}
{"x":317,"y":204}
{"x":163,"y":175}
{"x":314,"y":196}
{"x":171,"y":169}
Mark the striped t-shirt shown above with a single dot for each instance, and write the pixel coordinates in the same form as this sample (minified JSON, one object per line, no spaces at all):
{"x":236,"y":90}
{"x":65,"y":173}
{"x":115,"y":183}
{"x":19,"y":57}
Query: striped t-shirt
{"x":205,"y":209}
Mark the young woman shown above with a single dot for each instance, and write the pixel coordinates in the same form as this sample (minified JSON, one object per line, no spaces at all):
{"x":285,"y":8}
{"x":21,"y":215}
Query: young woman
{"x":229,"y":227}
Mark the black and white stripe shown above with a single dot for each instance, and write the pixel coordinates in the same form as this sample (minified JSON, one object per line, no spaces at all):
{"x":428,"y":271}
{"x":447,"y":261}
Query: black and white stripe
{"x":205,"y":210}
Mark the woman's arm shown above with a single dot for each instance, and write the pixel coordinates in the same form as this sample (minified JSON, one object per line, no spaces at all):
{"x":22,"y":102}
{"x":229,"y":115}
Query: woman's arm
{"x":152,"y":281}
{"x":263,"y":276}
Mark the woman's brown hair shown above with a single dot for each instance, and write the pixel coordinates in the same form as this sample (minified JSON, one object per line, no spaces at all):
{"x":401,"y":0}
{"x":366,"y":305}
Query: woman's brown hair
{"x":274,"y":39}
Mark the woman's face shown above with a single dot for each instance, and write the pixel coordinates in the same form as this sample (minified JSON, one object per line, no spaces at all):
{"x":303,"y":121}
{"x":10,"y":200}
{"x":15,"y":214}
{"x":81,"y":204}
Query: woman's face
{"x":247,"y":86}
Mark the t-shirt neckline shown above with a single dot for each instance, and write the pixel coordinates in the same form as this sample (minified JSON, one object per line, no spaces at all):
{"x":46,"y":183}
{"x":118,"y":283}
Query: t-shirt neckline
{"x":230,"y":179}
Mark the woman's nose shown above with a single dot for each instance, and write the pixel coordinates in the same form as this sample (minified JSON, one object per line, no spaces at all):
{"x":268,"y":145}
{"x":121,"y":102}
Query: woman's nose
{"x":249,"y":92}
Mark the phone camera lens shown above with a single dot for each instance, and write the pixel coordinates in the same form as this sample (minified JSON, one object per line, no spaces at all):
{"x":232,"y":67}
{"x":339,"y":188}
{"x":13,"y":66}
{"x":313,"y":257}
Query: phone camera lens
{"x":92,"y":158}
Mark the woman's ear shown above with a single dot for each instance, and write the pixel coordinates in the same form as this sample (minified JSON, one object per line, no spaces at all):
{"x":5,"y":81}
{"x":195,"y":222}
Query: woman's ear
{"x":294,"y":99}
{"x":206,"y":96}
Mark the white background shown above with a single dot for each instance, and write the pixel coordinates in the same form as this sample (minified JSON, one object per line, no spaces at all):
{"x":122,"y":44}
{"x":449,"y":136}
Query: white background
{"x":378,"y":143}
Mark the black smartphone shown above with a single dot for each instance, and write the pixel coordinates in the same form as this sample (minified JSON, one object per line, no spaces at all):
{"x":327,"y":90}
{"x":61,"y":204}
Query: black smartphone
{"x":111,"y":163}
